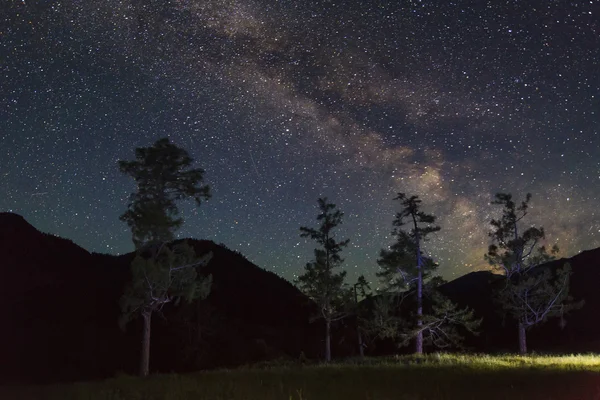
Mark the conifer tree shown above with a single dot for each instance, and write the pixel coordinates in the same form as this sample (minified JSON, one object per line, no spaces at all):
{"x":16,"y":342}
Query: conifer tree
{"x":405,"y":259}
{"x":320,"y":280}
{"x":161,"y":272}
{"x":531,"y":293}
{"x":405,"y":270}
{"x":444,"y":323}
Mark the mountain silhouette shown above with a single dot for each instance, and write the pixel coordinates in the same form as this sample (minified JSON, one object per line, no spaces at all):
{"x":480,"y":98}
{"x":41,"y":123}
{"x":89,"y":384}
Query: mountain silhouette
{"x":499,"y":334}
{"x":60,"y":309}
{"x":60,"y":305}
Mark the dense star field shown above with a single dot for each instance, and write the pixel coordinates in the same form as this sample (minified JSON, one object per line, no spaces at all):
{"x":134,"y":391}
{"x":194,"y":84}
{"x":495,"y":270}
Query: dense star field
{"x":285,"y":101}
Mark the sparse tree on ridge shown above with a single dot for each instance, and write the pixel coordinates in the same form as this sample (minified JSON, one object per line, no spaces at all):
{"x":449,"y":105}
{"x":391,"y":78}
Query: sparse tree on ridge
{"x":320,"y":281}
{"x":531,"y":294}
{"x":404,"y":268}
{"x":161,"y":273}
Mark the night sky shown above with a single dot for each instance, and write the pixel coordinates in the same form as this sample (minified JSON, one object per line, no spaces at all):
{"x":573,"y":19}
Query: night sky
{"x":282,"y":102}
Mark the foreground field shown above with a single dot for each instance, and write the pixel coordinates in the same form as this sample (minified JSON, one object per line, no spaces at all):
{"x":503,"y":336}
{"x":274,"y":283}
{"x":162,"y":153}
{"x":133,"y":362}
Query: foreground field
{"x":438,"y":376}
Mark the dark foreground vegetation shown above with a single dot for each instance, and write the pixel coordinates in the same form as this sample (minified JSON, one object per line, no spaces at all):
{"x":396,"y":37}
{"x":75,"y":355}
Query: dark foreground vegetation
{"x":433,"y":376}
{"x":60,"y":307}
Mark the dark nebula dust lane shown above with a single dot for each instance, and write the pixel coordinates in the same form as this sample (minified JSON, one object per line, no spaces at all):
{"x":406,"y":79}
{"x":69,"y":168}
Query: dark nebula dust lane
{"x":282,"y":102}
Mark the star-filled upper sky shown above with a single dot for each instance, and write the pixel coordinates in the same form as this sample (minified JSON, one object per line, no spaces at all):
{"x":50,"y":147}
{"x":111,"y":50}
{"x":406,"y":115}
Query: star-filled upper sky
{"x":284,"y":101}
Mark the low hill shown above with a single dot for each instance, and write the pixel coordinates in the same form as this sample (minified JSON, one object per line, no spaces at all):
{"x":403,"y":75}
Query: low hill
{"x":60,"y":309}
{"x":581,"y":332}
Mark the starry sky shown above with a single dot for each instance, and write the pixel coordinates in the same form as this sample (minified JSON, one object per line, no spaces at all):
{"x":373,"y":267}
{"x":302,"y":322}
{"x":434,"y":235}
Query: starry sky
{"x":284,"y":101}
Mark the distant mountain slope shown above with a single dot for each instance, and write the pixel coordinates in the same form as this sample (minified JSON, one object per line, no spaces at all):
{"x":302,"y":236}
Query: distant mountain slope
{"x":59,"y":305}
{"x":475,"y":290}
{"x":60,"y":308}
{"x":27,"y":250}
{"x":50,"y":298}
{"x":250,"y":315}
{"x":582,"y":330}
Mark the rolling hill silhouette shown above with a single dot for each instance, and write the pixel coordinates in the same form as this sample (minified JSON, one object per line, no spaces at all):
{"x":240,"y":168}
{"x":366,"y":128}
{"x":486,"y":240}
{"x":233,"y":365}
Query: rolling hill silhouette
{"x":60,"y":310}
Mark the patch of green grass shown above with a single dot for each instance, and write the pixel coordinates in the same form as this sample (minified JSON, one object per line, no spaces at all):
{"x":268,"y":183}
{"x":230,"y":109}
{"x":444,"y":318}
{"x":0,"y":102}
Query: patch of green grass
{"x":434,"y":376}
{"x":574,"y":362}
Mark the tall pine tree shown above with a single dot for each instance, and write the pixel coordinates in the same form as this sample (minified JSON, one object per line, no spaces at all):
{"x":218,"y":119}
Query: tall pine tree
{"x":405,"y":264}
{"x":320,"y":280}
{"x":161,"y":273}
{"x":406,"y":271}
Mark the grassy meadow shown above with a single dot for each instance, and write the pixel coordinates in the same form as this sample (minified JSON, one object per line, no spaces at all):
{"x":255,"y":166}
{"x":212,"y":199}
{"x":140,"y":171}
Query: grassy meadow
{"x":435,"y":376}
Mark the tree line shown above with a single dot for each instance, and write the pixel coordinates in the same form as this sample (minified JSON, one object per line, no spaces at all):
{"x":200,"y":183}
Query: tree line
{"x":163,"y":272}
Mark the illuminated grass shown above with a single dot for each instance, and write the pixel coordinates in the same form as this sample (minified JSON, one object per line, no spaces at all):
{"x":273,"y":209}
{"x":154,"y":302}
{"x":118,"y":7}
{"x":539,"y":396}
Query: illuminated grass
{"x":435,"y":376}
{"x":573,"y":362}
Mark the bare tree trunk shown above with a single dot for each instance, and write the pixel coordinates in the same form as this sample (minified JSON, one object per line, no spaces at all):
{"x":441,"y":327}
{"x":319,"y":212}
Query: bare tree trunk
{"x":361,"y":350}
{"x":522,"y":339}
{"x":419,"y":341}
{"x":327,"y":340}
{"x":145,"y":354}
{"x":361,"y":347}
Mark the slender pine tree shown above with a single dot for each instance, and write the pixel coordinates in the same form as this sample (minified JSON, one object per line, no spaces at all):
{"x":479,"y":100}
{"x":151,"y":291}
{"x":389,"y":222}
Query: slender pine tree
{"x":320,"y":280}
{"x":405,"y":264}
